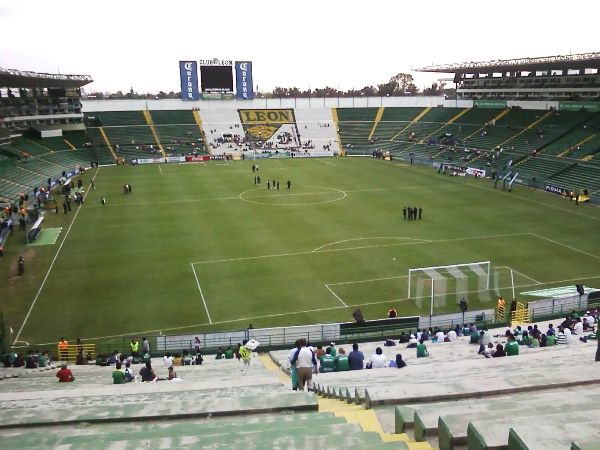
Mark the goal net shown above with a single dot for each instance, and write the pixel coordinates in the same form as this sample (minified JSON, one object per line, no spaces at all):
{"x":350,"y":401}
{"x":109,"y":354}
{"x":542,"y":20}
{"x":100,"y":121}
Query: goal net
{"x":444,"y":282}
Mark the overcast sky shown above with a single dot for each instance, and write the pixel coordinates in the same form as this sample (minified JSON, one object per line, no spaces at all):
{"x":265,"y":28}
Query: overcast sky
{"x":340,"y":43}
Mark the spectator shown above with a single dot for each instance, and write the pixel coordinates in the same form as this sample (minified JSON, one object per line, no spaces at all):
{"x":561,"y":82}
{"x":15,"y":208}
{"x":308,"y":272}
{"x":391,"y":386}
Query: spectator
{"x":229,"y":353}
{"x":327,"y":362}
{"x":333,"y":351}
{"x":543,"y":341}
{"x":578,"y":328}
{"x":128,"y":372}
{"x":452,"y":336}
{"x":412,"y":342}
{"x":422,"y":350}
{"x":568,"y":335}
{"x":172,"y":375}
{"x":392,"y":313}
{"x":499,"y":351}
{"x":398,"y":363}
{"x":403,"y":338}
{"x":245,"y":354}
{"x":112,"y":359}
{"x":341,"y":361}
{"x":305,"y":361}
{"x":551,"y":331}
{"x":377,"y":359}
{"x":19,"y":360}
{"x":43,"y":359}
{"x":145,"y":345}
{"x":187,"y":358}
{"x":525,"y":339}
{"x":356,"y":358}
{"x":30,"y":361}
{"x":118,"y":375}
{"x":81,"y":358}
{"x":293,"y":372}
{"x":220,"y":354}
{"x":550,"y":340}
{"x":512,"y":346}
{"x":439,"y":336}
{"x":167,"y":360}
{"x":488,"y":351}
{"x":561,"y":336}
{"x":147,"y":373}
{"x":424,"y":335}
{"x":177,"y":361}
{"x":65,"y":375}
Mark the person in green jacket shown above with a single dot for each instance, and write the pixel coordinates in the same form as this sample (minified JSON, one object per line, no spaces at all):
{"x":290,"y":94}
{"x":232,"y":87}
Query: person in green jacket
{"x":550,"y":340}
{"x":341,"y":361}
{"x":422,"y":350}
{"x":229,"y":353}
{"x":512,"y":346}
{"x":327,"y":362}
{"x":118,"y":375}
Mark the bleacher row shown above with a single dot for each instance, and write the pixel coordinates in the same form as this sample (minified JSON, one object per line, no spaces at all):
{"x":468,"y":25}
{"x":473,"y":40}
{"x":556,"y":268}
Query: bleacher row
{"x":567,"y":143}
{"x":214,"y":406}
{"x":544,"y":398}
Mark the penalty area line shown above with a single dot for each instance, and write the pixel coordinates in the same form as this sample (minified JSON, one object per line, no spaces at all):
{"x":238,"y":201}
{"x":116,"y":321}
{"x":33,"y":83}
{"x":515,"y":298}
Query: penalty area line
{"x":335,"y":295}
{"x":201,"y":293}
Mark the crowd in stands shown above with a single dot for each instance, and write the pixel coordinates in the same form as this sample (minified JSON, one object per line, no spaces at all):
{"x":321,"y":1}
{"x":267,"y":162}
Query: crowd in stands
{"x":305,"y":360}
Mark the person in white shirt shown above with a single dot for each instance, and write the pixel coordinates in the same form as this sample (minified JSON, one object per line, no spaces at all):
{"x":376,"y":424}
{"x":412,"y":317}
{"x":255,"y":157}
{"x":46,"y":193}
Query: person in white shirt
{"x":168,"y":360}
{"x":412,"y":342}
{"x":440,"y":336}
{"x":578,"y":328}
{"x":568,"y":335}
{"x":452,"y":336}
{"x":377,"y":359}
{"x":305,"y":362}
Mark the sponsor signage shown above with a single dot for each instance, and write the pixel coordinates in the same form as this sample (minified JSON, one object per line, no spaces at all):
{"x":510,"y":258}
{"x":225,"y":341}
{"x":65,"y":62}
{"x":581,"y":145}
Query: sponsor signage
{"x":578,"y":106}
{"x":216,"y":62}
{"x":476,"y":172}
{"x":197,"y":158}
{"x":243,"y":80}
{"x":490,"y":103}
{"x":188,"y":73}
{"x":174,"y":159}
{"x":557,"y":190}
{"x":147,"y":161}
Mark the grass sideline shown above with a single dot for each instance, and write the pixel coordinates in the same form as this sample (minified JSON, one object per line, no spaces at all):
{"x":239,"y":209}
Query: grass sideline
{"x":200,"y":238}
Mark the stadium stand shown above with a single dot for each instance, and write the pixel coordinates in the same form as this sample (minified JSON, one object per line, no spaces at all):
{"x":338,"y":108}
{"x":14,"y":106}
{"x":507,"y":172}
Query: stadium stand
{"x":200,"y":411}
{"x":466,"y":399}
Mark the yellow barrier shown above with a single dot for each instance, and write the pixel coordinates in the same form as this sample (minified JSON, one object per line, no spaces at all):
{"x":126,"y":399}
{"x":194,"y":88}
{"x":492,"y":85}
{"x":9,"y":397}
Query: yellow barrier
{"x":70,"y":353}
{"x":520,"y":315}
{"x":500,"y":313}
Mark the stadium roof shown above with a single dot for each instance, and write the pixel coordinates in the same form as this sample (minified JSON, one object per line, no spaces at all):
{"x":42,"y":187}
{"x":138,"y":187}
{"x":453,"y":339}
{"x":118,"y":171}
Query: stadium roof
{"x":13,"y":78}
{"x":560,"y":62}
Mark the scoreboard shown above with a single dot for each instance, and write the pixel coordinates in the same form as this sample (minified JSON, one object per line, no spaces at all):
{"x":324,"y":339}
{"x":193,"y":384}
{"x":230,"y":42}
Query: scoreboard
{"x":216,"y":79}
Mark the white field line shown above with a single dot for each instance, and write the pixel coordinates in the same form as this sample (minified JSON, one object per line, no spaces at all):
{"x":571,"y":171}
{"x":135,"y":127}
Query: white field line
{"x":523,"y":275}
{"x":330,"y":308}
{"x":406,"y":276}
{"x":369,"y":238}
{"x":37,"y":295}
{"x":278,"y":255}
{"x":159,"y":169}
{"x":201,"y":294}
{"x":564,"y":245}
{"x":325,"y":162}
{"x":335,"y":295}
{"x":197,"y":200}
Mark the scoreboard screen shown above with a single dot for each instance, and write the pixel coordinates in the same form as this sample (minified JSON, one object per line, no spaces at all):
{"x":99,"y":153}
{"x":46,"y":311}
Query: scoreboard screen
{"x":216,"y":79}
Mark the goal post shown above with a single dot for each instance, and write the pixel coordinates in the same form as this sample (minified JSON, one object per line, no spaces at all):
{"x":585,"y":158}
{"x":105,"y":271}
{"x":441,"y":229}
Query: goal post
{"x":481,"y":270}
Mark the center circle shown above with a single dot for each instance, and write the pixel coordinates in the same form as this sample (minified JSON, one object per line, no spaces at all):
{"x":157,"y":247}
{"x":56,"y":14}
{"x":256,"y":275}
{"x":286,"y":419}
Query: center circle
{"x":297,"y":196}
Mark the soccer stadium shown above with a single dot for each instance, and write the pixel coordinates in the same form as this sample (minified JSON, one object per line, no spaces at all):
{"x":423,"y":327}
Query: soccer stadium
{"x":185,"y":264}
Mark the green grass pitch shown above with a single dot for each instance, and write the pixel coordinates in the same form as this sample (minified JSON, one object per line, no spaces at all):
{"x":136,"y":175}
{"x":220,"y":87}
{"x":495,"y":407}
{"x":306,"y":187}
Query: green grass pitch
{"x":199,"y":247}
